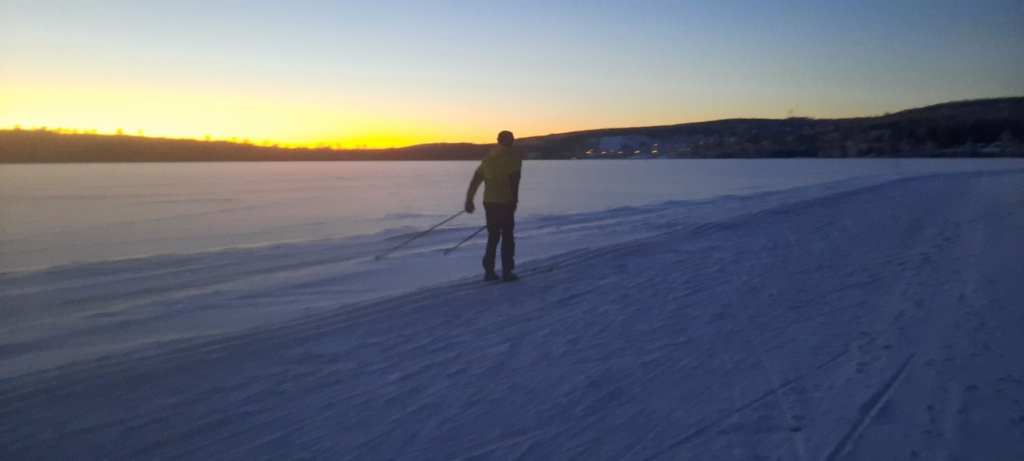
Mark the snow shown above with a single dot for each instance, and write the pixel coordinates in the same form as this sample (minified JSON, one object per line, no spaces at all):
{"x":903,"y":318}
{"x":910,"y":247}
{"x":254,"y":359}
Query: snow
{"x":56,"y":215}
{"x":865,"y":317}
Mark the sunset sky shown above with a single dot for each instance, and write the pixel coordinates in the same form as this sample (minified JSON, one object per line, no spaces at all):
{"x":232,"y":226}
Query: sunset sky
{"x":392,"y":73}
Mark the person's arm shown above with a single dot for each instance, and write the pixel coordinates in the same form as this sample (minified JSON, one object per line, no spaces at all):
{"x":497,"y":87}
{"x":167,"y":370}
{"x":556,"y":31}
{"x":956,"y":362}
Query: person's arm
{"x":513,"y":181}
{"x":474,"y":184}
{"x":513,"y":185}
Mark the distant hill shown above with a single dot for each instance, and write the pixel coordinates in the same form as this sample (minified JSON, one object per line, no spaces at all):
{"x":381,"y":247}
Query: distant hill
{"x":979,"y":128}
{"x":989,"y":127}
{"x":35,"y":146}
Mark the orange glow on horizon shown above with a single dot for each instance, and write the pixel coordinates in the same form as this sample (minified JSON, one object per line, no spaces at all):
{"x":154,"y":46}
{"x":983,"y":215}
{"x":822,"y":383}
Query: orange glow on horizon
{"x":298,"y":118}
{"x":295,"y":119}
{"x":285,"y":122}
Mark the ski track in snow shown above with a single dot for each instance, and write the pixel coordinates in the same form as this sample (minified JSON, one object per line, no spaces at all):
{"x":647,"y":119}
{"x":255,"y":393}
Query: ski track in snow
{"x":878,"y":322}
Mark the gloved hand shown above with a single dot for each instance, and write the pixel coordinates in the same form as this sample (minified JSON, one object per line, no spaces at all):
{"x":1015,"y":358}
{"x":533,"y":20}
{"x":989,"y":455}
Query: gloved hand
{"x":470,"y":208}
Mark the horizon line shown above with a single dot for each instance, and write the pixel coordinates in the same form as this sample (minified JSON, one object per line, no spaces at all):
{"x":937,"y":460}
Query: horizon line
{"x":266,"y":143}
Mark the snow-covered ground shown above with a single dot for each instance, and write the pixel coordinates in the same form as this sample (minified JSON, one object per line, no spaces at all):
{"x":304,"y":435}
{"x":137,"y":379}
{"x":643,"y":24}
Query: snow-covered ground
{"x":868,"y":318}
{"x":52,"y":215}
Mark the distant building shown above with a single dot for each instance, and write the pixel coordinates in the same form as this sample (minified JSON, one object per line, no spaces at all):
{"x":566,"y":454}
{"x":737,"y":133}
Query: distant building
{"x":617,"y":143}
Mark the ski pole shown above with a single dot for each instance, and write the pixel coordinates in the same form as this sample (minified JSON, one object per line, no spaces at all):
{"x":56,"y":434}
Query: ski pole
{"x":421,"y":234}
{"x":464,"y":241}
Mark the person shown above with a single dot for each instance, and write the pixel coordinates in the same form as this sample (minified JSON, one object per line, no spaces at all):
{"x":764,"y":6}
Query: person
{"x":500,"y":172}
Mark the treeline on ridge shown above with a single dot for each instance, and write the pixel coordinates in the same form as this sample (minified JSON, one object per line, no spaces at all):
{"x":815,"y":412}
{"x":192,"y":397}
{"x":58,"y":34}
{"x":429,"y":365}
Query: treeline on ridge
{"x":37,"y":146}
{"x":989,"y":128}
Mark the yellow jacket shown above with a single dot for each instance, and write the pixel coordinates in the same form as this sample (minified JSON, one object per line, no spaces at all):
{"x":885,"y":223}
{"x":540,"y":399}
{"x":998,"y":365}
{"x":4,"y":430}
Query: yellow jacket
{"x":500,"y":171}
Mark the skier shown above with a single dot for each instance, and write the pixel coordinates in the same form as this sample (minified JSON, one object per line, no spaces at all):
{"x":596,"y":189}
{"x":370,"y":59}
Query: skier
{"x":499,"y":171}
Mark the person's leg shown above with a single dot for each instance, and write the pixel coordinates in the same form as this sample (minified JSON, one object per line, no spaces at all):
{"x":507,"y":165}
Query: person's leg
{"x":508,"y":240}
{"x":493,"y":236}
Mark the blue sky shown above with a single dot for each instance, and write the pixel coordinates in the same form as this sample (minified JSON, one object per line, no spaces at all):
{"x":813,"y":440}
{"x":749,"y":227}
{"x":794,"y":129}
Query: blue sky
{"x":386,"y":73}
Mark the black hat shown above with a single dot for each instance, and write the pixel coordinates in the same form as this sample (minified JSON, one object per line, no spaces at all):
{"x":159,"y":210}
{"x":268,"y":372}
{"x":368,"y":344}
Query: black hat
{"x":505,"y":138}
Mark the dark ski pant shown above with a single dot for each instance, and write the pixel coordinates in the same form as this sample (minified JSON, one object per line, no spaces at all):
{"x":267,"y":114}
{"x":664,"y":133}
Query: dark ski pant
{"x":500,"y":222}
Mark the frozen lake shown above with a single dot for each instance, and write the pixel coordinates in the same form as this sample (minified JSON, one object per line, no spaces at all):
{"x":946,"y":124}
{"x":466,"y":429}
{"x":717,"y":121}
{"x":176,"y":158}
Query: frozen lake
{"x":817,"y":310}
{"x":62,"y":214}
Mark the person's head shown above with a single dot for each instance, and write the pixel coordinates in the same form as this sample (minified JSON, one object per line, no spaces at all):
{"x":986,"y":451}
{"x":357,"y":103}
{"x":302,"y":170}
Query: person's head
{"x":506,"y":139}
